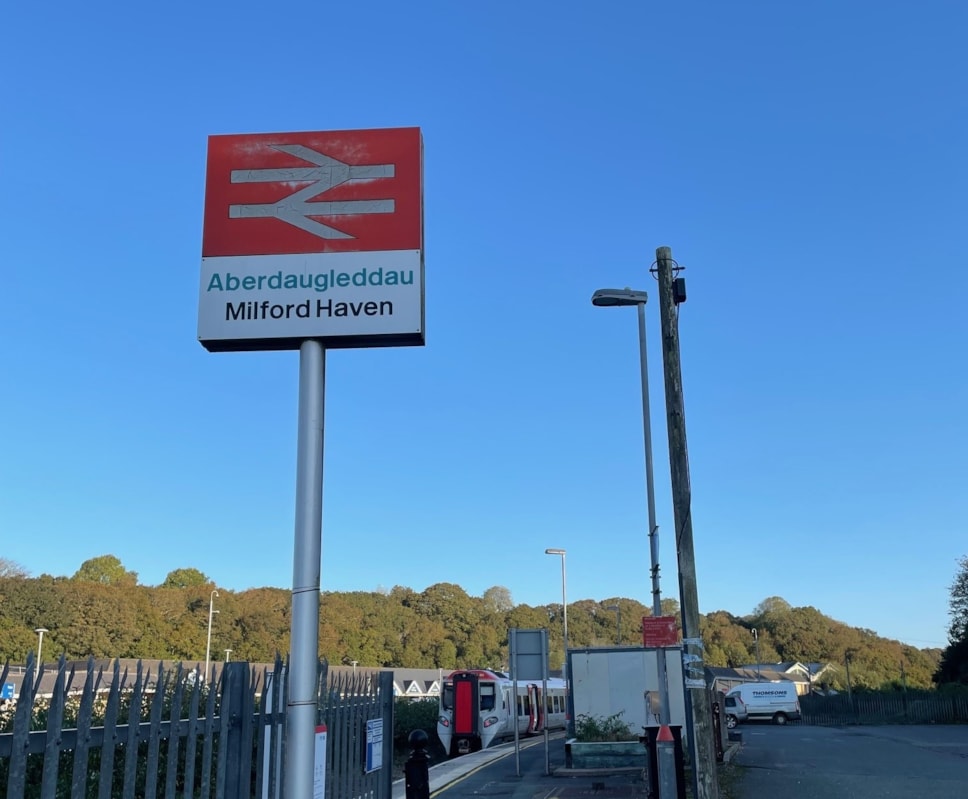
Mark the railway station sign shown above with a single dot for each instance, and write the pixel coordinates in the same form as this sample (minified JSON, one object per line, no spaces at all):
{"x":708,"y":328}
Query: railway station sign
{"x":313,"y":236}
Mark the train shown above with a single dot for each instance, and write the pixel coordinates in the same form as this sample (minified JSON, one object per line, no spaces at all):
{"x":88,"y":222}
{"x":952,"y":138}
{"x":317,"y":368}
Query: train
{"x":477,"y":711}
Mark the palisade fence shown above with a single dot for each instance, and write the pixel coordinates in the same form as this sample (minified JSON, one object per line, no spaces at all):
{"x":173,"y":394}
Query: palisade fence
{"x":907,"y":707}
{"x":167,"y":734}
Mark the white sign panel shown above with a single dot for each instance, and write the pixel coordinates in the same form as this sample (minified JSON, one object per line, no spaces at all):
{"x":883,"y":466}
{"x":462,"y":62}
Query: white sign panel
{"x":347,"y":295}
{"x":319,"y":765}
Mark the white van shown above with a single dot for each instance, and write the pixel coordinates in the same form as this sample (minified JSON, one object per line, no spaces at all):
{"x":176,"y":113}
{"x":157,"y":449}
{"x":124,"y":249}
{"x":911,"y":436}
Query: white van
{"x":776,"y":701}
{"x":735,"y":710}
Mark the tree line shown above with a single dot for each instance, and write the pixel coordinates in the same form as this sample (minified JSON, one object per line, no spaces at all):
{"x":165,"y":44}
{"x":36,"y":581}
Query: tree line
{"x":102,"y":611}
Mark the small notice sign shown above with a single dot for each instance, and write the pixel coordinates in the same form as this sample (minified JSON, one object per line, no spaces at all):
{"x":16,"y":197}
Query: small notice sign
{"x":659,"y":631}
{"x":374,"y":745}
{"x":319,"y":766}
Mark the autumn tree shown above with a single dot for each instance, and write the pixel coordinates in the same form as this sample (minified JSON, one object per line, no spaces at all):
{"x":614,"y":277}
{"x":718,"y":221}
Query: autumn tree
{"x":103,"y":611}
{"x":103,"y":624}
{"x":107,"y":570}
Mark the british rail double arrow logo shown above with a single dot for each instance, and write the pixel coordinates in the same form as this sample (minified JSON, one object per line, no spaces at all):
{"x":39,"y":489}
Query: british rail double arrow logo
{"x":325,"y":173}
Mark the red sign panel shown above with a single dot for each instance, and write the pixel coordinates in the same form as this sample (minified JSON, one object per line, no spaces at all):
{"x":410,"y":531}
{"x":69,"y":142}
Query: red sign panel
{"x":334,"y":191}
{"x":659,"y":631}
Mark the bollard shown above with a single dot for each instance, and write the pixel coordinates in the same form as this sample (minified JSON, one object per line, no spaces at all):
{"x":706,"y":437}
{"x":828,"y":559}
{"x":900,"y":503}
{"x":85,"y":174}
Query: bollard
{"x":666,"y":761}
{"x":667,"y":777}
{"x":417,"y":767}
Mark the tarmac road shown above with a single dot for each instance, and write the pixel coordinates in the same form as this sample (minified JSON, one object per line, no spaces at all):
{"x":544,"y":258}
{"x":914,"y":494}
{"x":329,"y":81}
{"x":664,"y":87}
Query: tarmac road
{"x":890,"y":762}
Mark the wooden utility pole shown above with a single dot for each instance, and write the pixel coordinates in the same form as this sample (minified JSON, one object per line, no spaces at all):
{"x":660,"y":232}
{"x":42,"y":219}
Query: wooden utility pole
{"x":702,"y":745}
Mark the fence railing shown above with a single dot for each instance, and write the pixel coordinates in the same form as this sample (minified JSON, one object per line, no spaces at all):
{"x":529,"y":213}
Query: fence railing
{"x":167,"y":734}
{"x":907,"y":707}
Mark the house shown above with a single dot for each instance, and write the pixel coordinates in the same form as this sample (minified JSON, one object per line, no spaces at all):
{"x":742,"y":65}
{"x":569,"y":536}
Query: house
{"x":418,"y":683}
{"x":803,"y":675}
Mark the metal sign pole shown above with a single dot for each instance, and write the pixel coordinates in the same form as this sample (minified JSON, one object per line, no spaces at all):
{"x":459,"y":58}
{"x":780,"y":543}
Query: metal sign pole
{"x":304,"y":641}
{"x":513,"y":643}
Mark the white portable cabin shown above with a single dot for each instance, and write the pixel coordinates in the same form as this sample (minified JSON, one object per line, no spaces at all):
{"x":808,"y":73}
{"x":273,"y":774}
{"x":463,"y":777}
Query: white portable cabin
{"x":625,"y":680}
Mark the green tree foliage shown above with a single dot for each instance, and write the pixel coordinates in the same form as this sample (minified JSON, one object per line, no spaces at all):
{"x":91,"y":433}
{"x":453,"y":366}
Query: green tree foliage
{"x":958,"y":608}
{"x":185,"y":578}
{"x":953,"y":667}
{"x":441,"y":627}
{"x":106,"y":569}
{"x":773,"y":604}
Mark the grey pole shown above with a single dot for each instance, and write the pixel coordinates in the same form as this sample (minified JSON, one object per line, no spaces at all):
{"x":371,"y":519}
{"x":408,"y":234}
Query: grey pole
{"x":617,"y":297}
{"x":569,"y":722}
{"x":564,"y":619}
{"x":564,"y":610}
{"x":565,"y":671}
{"x":304,"y":643}
{"x":756,"y":640}
{"x":665,"y":744}
{"x":208,"y":645}
{"x":40,"y":646}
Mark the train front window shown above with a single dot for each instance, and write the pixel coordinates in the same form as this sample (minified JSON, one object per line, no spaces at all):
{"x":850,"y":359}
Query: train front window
{"x":447,"y":697}
{"x":487,"y":696}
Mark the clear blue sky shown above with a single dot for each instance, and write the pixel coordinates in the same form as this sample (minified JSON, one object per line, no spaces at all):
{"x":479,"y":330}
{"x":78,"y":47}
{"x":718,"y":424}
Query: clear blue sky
{"x":807,"y":164}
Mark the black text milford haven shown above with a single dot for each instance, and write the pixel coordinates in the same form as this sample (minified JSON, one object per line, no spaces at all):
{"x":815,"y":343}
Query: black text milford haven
{"x":253,"y":309}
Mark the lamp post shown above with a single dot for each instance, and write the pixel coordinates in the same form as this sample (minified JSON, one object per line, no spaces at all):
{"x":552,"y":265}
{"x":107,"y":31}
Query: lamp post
{"x":850,"y":693}
{"x":618,"y":623}
{"x":40,"y":645}
{"x":227,"y":653}
{"x":610,"y":298}
{"x":564,"y":610}
{"x":756,"y":642}
{"x":211,"y":613}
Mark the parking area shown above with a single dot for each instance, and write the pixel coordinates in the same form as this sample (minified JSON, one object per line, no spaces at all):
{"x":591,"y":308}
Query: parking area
{"x":798,"y":761}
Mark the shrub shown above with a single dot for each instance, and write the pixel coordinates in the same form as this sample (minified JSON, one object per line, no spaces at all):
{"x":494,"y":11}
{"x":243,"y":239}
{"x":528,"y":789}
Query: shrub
{"x":413,"y":714}
{"x":599,"y":728}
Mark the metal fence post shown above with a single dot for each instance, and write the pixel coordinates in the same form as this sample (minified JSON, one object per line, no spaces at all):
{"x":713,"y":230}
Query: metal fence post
{"x":235,"y":683}
{"x":386,"y":713}
{"x":417,"y":767}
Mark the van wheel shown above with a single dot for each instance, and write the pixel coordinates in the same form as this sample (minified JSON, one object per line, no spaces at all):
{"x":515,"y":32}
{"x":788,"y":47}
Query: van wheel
{"x":730,"y":722}
{"x":780,"y":718}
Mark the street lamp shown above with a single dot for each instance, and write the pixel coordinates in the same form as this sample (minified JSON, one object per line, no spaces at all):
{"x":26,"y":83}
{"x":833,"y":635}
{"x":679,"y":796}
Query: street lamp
{"x":40,"y":645}
{"x":564,"y":609}
{"x":756,"y":641}
{"x":227,"y":653}
{"x":618,"y":623}
{"x":610,"y":298}
{"x":211,"y":612}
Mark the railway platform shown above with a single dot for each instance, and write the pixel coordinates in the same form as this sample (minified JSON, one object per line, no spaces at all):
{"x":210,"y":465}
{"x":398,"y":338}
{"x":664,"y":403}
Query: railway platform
{"x":461,"y":777}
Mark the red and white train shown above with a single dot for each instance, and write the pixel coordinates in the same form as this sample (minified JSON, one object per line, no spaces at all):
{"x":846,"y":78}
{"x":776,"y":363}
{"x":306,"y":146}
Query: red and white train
{"x":477,"y":709}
